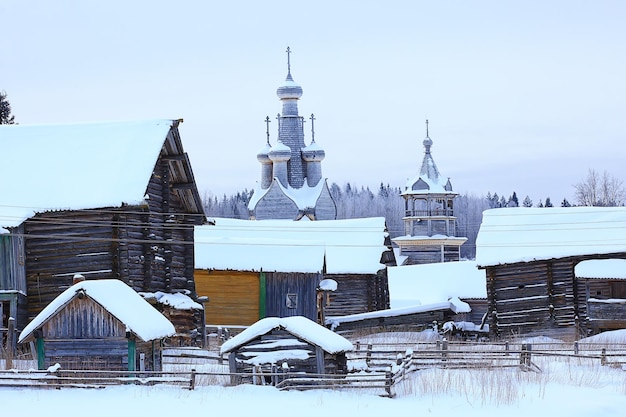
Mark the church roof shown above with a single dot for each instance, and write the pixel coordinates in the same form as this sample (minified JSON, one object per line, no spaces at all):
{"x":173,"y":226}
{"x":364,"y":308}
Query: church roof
{"x":429,"y":180}
{"x":304,"y":197}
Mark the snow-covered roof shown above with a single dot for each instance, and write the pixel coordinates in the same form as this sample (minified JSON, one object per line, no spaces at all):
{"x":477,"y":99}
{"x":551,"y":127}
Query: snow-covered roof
{"x":299,"y":326}
{"x":118,"y":299}
{"x":510,"y":235}
{"x":455,"y":305}
{"x":435,"y":283}
{"x":178,"y":301}
{"x":346,"y":246}
{"x":78,"y":166}
{"x":304,"y":197}
{"x":601,"y":269}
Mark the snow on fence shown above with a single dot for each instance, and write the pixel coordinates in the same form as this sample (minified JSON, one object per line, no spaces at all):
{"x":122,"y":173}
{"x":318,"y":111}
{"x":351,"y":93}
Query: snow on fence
{"x":375,"y":368}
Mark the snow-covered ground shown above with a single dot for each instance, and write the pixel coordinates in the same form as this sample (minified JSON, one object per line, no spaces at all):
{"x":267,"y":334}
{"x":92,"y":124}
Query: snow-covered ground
{"x":565,"y":387}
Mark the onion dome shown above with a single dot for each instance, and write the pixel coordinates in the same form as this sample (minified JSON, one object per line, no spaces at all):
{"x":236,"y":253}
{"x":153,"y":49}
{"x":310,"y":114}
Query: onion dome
{"x":263,"y":155}
{"x":313,"y":153}
{"x":280,"y":153}
{"x":289,"y":89}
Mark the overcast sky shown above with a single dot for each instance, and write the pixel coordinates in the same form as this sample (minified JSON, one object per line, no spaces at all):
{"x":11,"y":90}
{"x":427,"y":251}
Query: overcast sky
{"x":521,"y":96}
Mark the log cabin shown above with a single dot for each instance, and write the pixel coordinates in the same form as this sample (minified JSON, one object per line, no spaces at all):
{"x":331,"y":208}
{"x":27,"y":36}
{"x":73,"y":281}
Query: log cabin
{"x":98,"y":324}
{"x":105,"y":200}
{"x":255,"y":269}
{"x":530,"y":257}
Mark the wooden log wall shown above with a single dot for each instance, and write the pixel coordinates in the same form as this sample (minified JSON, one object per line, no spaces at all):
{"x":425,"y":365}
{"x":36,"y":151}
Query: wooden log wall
{"x":61,"y":244}
{"x":532,"y":298}
{"x":358,"y":293}
{"x":148,"y":247}
{"x":416,"y":321}
{"x":539,"y":298}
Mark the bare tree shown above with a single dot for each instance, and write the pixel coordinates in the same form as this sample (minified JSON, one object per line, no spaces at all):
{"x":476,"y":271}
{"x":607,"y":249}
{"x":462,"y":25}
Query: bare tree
{"x":600,"y":190}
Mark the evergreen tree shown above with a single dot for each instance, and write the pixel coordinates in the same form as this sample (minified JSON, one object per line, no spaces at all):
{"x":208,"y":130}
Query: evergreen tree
{"x":565,"y":203}
{"x":513,"y":201}
{"x":548,"y":202}
{"x":6,"y":118}
{"x":527,"y":202}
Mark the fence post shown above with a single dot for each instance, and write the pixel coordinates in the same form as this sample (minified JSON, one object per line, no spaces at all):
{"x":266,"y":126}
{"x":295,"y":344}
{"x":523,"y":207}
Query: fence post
{"x":506,"y":347}
{"x":576,"y":347}
{"x":10,"y":343}
{"x":388,"y":382}
{"x":444,"y":348}
{"x":192,"y":380}
{"x":358,"y":345}
{"x":368,"y":356}
{"x":603,"y":357}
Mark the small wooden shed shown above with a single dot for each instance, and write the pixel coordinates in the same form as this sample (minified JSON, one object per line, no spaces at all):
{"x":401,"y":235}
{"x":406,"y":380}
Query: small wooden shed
{"x":100,"y":324}
{"x":290,"y":344}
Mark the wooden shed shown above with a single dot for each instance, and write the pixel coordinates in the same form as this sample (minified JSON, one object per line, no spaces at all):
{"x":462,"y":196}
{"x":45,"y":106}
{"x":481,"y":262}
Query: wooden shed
{"x":100,"y":324}
{"x":254,"y":269}
{"x":115,"y":200}
{"x":530,"y":256}
{"x":295,"y":345}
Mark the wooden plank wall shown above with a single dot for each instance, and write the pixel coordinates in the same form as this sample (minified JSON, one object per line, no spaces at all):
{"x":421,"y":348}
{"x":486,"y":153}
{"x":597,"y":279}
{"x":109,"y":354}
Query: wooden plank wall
{"x":233,"y":296}
{"x":302,"y":285}
{"x":83,"y":318}
{"x":110,"y":354}
{"x":12,"y":271}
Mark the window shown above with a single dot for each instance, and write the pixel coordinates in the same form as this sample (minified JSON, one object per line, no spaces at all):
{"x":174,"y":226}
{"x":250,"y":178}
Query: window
{"x":292,"y":300}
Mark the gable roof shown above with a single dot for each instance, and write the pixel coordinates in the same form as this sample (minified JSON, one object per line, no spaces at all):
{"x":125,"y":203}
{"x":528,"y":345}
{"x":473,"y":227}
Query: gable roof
{"x":118,"y":299}
{"x":299,"y":326}
{"x":510,"y":235}
{"x":81,"y":165}
{"x":346,"y":246}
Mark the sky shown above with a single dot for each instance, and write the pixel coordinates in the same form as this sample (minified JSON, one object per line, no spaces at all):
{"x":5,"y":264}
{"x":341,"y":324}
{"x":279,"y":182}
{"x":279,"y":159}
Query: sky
{"x":520,"y":96}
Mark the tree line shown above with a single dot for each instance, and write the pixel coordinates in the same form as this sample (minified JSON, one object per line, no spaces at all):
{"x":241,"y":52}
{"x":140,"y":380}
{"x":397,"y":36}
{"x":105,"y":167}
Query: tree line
{"x":357,"y":202}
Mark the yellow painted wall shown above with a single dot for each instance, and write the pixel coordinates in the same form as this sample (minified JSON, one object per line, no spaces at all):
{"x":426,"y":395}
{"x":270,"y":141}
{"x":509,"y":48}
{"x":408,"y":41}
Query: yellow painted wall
{"x":233,"y":296}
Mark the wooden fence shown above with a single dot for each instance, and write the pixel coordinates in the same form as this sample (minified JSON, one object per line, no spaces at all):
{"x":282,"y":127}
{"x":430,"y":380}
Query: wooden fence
{"x":374,"y":368}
